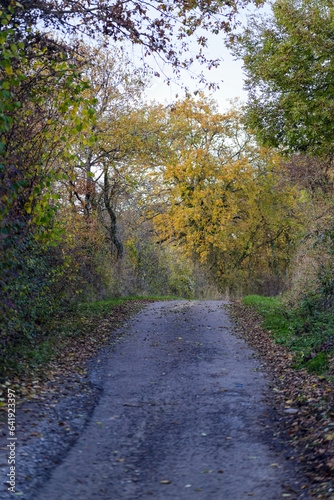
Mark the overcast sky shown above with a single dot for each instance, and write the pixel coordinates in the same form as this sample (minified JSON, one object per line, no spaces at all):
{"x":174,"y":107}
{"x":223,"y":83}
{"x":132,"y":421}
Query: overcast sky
{"x":229,"y":75}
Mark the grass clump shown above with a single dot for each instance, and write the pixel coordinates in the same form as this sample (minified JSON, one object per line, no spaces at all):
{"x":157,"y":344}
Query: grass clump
{"x":307,"y":331}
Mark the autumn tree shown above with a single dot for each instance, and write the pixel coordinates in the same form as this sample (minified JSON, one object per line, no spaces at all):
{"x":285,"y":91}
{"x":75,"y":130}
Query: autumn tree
{"x":228,"y":202}
{"x":111,"y":169}
{"x":99,"y":177}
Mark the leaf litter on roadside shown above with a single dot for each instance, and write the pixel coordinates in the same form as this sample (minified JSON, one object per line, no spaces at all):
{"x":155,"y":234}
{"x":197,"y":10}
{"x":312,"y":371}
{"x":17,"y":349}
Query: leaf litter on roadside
{"x":303,"y":402}
{"x":66,"y":370}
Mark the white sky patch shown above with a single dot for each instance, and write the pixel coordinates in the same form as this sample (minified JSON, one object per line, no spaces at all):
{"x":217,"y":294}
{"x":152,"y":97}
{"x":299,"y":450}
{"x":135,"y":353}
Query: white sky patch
{"x":229,"y":75}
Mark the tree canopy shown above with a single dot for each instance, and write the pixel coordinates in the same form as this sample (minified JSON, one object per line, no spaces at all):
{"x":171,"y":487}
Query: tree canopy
{"x":289,"y":63}
{"x":161,"y":27}
{"x":228,"y":201}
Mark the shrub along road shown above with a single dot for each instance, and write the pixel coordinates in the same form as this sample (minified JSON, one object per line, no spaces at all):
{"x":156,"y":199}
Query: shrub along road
{"x":181,"y":416}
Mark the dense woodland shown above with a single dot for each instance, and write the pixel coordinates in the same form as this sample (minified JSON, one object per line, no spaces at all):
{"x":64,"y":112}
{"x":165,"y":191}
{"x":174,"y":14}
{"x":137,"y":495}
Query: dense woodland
{"x":104,"y":194}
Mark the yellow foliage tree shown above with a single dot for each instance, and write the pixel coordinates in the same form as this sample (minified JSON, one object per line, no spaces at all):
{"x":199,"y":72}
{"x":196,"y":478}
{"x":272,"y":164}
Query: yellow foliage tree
{"x":229,"y":202}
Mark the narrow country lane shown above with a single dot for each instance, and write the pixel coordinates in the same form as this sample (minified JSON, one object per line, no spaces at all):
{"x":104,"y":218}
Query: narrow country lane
{"x":180,"y":417}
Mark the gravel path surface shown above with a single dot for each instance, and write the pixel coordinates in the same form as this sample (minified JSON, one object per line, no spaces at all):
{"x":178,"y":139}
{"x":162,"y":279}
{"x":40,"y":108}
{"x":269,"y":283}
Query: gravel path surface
{"x":181,"y":416}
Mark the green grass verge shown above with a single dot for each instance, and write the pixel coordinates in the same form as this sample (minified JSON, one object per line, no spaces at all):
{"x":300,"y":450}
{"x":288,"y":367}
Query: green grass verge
{"x":308,"y":333}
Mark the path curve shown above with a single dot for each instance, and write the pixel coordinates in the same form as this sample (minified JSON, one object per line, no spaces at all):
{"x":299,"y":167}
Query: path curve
{"x":181,"y":417}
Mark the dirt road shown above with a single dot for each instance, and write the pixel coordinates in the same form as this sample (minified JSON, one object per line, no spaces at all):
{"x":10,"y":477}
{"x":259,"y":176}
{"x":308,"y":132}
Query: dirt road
{"x":181,"y":417}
